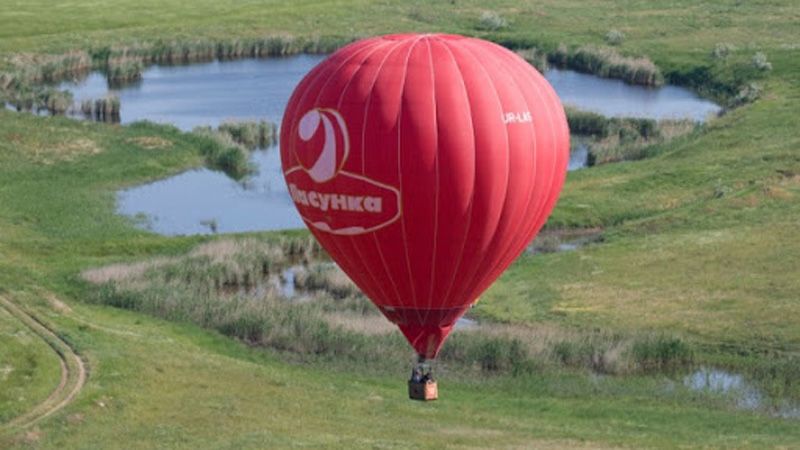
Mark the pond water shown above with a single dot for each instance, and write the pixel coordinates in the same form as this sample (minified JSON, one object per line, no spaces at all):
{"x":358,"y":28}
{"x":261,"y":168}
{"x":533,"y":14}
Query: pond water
{"x":744,"y":394}
{"x":616,"y":98}
{"x":203,"y":201}
{"x":205,"y":94}
{"x":578,"y":156}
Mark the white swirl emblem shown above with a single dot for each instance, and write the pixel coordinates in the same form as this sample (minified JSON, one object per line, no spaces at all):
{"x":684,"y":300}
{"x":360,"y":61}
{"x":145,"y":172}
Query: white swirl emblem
{"x":327,"y":163}
{"x":328,"y":197}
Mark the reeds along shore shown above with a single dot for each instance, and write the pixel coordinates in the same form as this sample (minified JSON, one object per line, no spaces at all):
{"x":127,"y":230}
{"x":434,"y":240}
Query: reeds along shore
{"x":230,"y":286}
{"x":624,"y":139}
{"x":731,"y":84}
{"x":102,"y":109}
{"x":608,"y":63}
{"x":123,"y":71}
{"x":27,"y":85}
{"x":186,"y":52}
{"x":228,"y":147}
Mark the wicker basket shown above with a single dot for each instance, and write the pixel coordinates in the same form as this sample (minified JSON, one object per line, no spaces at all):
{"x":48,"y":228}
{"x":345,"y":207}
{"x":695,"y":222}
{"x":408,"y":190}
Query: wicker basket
{"x":423,"y":390}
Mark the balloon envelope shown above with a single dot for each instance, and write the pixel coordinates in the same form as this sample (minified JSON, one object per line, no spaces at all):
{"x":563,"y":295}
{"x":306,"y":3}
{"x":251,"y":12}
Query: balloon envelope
{"x":424,"y":164}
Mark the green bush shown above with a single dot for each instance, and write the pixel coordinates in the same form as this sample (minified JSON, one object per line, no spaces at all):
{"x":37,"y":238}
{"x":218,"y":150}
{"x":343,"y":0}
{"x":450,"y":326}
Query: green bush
{"x":722,"y":50}
{"x":760,"y":62}
{"x":615,"y":37}
{"x":491,"y":21}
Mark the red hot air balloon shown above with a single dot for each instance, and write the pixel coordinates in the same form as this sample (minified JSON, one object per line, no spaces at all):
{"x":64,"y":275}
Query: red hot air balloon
{"x":424,"y":164}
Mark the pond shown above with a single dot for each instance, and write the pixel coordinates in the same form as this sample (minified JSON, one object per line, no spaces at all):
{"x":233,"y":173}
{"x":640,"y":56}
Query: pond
{"x":744,"y":394}
{"x":203,"y":201}
{"x":615,"y":98}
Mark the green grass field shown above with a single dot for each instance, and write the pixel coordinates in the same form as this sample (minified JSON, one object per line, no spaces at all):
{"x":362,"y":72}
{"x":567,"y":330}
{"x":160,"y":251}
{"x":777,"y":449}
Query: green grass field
{"x":700,"y":241}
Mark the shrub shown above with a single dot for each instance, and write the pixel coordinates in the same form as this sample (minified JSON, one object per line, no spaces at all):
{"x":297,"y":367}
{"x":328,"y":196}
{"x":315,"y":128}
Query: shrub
{"x":760,"y":62}
{"x":722,"y":50}
{"x":615,"y":37}
{"x":748,"y":93}
{"x":491,"y":21}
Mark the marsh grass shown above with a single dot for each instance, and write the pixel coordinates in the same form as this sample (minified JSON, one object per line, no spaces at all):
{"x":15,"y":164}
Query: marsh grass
{"x":28,"y":85}
{"x":609,"y":63}
{"x":221,"y":152}
{"x":251,"y":134}
{"x":634,"y":140}
{"x":587,"y":123}
{"x":199,"y":50}
{"x":102,"y":110}
{"x":535,"y":57}
{"x":230,"y":286}
{"x":228,"y":147}
{"x":326,"y":277}
{"x":624,"y":139}
{"x":51,"y":67}
{"x":123,"y":71}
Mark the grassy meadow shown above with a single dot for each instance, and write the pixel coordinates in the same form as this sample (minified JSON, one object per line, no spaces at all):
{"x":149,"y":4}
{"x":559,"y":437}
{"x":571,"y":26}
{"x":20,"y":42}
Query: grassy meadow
{"x":697,"y":265}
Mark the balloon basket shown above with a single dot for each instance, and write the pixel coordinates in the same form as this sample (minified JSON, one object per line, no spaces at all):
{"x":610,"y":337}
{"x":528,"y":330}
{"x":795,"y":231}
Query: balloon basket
{"x":423,"y":390}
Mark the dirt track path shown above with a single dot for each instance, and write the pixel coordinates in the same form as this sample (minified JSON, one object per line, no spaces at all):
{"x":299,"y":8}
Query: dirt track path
{"x":73,"y":371}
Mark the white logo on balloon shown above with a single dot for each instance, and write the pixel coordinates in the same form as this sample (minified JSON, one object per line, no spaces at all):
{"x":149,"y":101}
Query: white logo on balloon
{"x":326,"y":166}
